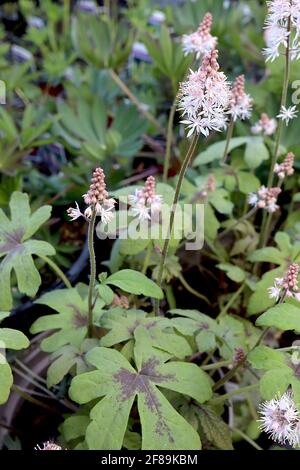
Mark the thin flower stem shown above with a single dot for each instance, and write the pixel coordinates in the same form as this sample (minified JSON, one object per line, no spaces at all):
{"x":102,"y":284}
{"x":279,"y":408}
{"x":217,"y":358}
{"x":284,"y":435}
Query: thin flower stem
{"x":246,"y":438}
{"x":283,"y":103}
{"x":264,"y":235}
{"x":92,"y":272}
{"x":66,"y":17}
{"x":136,"y":102}
{"x":147,"y":258}
{"x":57,"y":270}
{"x":239,"y":391}
{"x":34,"y":382}
{"x":32,"y":400}
{"x":181,"y":175}
{"x":216,"y":365}
{"x":169,"y":139}
{"x":231,"y":301}
{"x":191,"y":290}
{"x":233,"y":371}
{"x":228,"y":139}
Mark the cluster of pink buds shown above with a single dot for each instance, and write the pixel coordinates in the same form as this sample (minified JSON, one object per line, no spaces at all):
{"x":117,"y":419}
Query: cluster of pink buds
{"x":97,"y":200}
{"x":265,"y":125}
{"x":280,"y":419}
{"x":209,"y":187}
{"x":265,"y":198}
{"x":200,"y":42}
{"x":240,"y":102}
{"x":286,"y":168}
{"x":145,"y":203}
{"x":286,"y":286}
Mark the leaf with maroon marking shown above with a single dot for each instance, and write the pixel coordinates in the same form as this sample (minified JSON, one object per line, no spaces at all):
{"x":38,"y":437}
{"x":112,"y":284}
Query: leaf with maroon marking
{"x":119,"y":383}
{"x":71,"y":319}
{"x":17,"y":248}
{"x":123,"y":323}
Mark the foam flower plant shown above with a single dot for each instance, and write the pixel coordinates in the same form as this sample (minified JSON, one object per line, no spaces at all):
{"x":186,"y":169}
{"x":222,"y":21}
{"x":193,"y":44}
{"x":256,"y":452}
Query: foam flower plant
{"x":17,"y":247}
{"x":204,"y":97}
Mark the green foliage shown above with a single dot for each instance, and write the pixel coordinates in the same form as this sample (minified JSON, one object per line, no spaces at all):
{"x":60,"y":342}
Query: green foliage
{"x":256,"y":151}
{"x":17,"y":247}
{"x":121,"y":326}
{"x":18,"y":138}
{"x":9,"y":339}
{"x":134,"y":282}
{"x":84,"y":128}
{"x":281,"y":371}
{"x":71,"y":318}
{"x":168,"y":56}
{"x":89,"y":31}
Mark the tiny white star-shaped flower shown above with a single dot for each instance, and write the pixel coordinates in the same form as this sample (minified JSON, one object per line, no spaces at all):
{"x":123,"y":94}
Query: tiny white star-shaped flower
{"x":287,"y":114}
{"x":274,"y":293}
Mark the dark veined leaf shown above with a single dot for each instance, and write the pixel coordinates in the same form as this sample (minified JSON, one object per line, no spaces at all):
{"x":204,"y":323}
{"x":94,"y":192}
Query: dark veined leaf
{"x":118,"y":383}
{"x":17,"y":247}
{"x":123,"y":323}
{"x":71,"y":319}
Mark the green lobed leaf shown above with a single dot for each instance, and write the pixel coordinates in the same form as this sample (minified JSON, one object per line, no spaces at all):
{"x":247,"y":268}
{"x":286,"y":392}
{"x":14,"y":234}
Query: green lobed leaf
{"x":6,"y":381}
{"x":283,"y":316}
{"x":13,"y":339}
{"x":135,"y":282}
{"x":162,"y":426}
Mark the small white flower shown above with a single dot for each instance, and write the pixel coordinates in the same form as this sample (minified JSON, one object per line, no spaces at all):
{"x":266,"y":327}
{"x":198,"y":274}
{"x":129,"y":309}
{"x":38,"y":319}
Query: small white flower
{"x":280,"y":419}
{"x":286,"y":114}
{"x":274,"y":292}
{"x":88,"y":212}
{"x":106,"y":215}
{"x":74,"y":213}
{"x":253,"y":199}
{"x":140,"y":211}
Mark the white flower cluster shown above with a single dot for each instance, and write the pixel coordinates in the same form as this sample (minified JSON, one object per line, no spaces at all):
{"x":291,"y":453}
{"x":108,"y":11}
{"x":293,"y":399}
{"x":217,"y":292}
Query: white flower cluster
{"x":145,"y":203}
{"x":97,"y":200}
{"x":205,"y":97}
{"x":265,"y":125}
{"x":282,"y":24}
{"x":286,"y":286}
{"x":280,"y":419}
